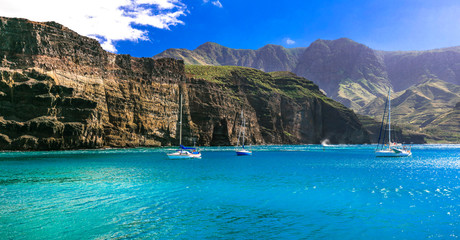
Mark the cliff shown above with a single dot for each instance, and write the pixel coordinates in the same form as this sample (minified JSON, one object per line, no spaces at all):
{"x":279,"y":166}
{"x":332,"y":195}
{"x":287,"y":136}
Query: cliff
{"x":60,"y":90}
{"x":280,"y":107}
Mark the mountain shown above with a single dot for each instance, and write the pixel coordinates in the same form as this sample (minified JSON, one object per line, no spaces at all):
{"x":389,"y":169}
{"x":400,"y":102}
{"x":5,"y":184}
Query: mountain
{"x":406,"y":69}
{"x":269,"y":58}
{"x":420,"y":104}
{"x":60,"y":90}
{"x":400,"y":134}
{"x":355,"y":75}
{"x":429,"y":107}
{"x":449,"y":120}
{"x":445,"y":128}
{"x":347,"y":71}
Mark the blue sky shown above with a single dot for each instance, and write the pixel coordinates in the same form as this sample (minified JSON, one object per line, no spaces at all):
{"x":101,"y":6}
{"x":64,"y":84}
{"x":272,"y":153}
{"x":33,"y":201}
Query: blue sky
{"x":244,"y":24}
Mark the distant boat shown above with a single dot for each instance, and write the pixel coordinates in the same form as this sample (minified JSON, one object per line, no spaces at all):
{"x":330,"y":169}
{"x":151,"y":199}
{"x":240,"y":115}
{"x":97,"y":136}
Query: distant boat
{"x":183,"y":152}
{"x":394,"y":149}
{"x":242,"y":151}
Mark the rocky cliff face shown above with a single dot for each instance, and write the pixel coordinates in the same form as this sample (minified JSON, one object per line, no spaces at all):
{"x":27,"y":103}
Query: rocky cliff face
{"x":280,"y":108}
{"x":59,"y":90}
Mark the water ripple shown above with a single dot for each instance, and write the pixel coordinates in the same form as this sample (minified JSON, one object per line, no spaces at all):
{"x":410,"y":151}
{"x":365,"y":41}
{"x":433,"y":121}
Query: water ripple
{"x":281,"y":192}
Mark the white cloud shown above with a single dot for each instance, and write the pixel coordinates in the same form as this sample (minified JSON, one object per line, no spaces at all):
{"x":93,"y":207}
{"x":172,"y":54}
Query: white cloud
{"x":106,"y":20}
{"x":289,"y":41}
{"x":216,"y":3}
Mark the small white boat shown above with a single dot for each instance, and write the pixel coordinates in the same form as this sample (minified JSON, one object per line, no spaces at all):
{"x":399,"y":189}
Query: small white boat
{"x":242,"y":151}
{"x":392,"y":152}
{"x":183,"y":152}
{"x":394,"y":149}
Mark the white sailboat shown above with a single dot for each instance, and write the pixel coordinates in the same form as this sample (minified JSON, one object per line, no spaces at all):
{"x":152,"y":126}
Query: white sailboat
{"x":183,"y":152}
{"x":242,"y":151}
{"x":394,"y":149}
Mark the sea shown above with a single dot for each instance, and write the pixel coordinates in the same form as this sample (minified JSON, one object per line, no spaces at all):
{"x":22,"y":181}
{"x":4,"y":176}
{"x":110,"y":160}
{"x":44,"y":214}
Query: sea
{"x":280,"y":192}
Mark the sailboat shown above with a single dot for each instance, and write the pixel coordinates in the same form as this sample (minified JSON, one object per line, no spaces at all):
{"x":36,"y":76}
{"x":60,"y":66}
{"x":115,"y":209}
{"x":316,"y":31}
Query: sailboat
{"x":394,"y":149}
{"x":242,"y":151}
{"x":183,"y":152}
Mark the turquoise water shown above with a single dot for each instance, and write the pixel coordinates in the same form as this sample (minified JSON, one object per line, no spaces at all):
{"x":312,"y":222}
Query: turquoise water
{"x":281,"y":192}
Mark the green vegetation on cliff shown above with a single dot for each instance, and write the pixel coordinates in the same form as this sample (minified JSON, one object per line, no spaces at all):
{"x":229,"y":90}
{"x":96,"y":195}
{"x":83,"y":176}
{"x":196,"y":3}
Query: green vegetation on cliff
{"x":285,"y":83}
{"x":287,"y":108}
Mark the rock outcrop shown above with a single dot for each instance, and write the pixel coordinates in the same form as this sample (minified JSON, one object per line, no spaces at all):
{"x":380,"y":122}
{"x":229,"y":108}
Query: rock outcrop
{"x":60,"y":90}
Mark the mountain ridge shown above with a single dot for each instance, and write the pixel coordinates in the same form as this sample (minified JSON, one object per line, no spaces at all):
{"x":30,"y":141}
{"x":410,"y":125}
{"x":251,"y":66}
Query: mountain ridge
{"x":371,"y":71}
{"x":211,"y":53}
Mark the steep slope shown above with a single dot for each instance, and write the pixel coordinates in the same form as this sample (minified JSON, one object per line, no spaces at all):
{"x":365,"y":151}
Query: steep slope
{"x":349,"y":72}
{"x":268,"y":58}
{"x":281,"y":107}
{"x":400,"y":134}
{"x":424,"y":106}
{"x":59,"y":90}
{"x":420,"y":104}
{"x":445,"y":128}
{"x":406,"y":69}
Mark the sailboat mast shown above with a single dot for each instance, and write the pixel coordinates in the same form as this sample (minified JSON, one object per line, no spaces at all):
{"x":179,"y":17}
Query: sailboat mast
{"x":244,"y":125}
{"x":180,"y":121}
{"x":239,"y":132}
{"x":389,"y":118}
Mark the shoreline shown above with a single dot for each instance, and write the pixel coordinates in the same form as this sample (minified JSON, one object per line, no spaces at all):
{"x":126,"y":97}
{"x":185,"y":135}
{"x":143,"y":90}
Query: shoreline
{"x":218,"y":148}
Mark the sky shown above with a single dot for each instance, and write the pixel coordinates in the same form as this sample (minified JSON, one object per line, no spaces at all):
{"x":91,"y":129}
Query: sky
{"x":144,"y":28}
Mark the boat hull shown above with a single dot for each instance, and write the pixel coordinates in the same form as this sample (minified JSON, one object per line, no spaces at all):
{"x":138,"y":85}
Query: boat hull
{"x":391,"y":153}
{"x":243,"y":153}
{"x":184,"y":155}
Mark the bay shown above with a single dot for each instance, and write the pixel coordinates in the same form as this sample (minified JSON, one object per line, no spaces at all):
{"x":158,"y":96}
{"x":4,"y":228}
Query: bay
{"x":281,"y":192}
